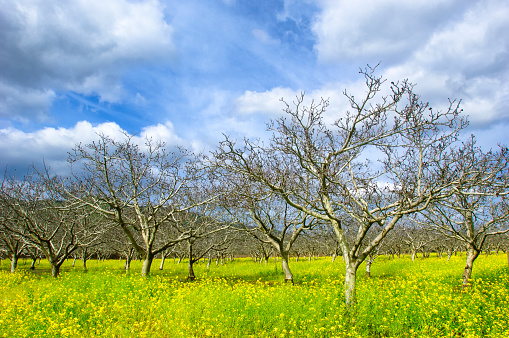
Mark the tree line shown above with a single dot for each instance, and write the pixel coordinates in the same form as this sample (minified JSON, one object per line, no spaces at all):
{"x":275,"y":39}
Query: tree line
{"x":392,"y":175}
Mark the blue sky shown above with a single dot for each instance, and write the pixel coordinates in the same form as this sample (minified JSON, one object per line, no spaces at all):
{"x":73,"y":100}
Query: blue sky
{"x":188,"y":71}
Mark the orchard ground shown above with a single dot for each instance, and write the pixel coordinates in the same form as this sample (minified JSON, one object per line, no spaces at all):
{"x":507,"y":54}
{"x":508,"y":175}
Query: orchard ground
{"x":246,"y":299}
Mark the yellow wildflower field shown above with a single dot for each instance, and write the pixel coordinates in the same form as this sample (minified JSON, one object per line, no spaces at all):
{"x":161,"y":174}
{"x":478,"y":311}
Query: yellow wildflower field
{"x":246,"y":299}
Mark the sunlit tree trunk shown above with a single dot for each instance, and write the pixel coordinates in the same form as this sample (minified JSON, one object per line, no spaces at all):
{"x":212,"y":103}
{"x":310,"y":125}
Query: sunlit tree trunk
{"x":147,"y":263}
{"x":14,"y":262}
{"x":472,"y":254}
{"x":368,"y":268}
{"x":286,"y":267}
{"x":163,"y":257}
{"x":350,"y":290}
{"x":127,"y":263}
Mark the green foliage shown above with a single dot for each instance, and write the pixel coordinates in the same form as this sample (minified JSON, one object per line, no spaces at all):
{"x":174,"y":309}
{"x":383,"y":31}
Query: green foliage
{"x":243,"y":298}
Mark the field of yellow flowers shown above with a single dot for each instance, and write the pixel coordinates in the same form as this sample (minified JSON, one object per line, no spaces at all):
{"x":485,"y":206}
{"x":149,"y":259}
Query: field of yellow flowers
{"x":246,"y":299}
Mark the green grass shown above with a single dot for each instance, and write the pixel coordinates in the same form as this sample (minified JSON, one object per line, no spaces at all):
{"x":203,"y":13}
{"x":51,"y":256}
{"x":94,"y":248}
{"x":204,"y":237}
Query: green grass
{"x":243,"y":298}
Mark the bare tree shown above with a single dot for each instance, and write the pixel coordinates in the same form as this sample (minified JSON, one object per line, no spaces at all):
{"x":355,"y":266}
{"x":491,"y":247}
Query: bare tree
{"x":34,"y":253}
{"x":139,"y":187}
{"x":10,"y":240}
{"x":42,"y":217}
{"x":267,"y":217}
{"x":204,"y":230}
{"x":479,"y":206}
{"x":416,"y":238}
{"x":406,"y":135}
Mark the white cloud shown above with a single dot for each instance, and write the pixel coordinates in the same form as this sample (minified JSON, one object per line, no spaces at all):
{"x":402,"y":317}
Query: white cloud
{"x":451,"y":49}
{"x":466,"y":60}
{"x":161,"y":132}
{"x":268,"y":102}
{"x":374,"y":30}
{"x":84,"y":46}
{"x":52,"y":145}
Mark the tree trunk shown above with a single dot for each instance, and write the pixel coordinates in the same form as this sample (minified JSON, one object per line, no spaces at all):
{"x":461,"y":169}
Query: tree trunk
{"x":368,"y":267}
{"x":350,"y":294}
{"x":467,"y":273}
{"x":127,"y":263}
{"x":32,"y":266}
{"x":55,"y":270}
{"x":147,"y":263}
{"x":208,"y":263}
{"x":14,"y":262}
{"x":286,"y":268}
{"x":73,"y":262}
{"x":163,"y":257}
{"x":84,"y":262}
{"x":191,"y":275}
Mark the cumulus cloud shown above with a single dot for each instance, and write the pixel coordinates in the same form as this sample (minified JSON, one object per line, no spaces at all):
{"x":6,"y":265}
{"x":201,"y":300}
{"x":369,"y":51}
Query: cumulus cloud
{"x":19,"y":148}
{"x":453,"y":49}
{"x":267,"y":103}
{"x":372,"y":29}
{"x":83,"y":46}
{"x":466,"y":60}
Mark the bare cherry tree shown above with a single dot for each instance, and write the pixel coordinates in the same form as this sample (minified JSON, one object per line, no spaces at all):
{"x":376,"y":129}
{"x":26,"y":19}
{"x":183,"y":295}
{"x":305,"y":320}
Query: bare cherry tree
{"x":407,"y":137}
